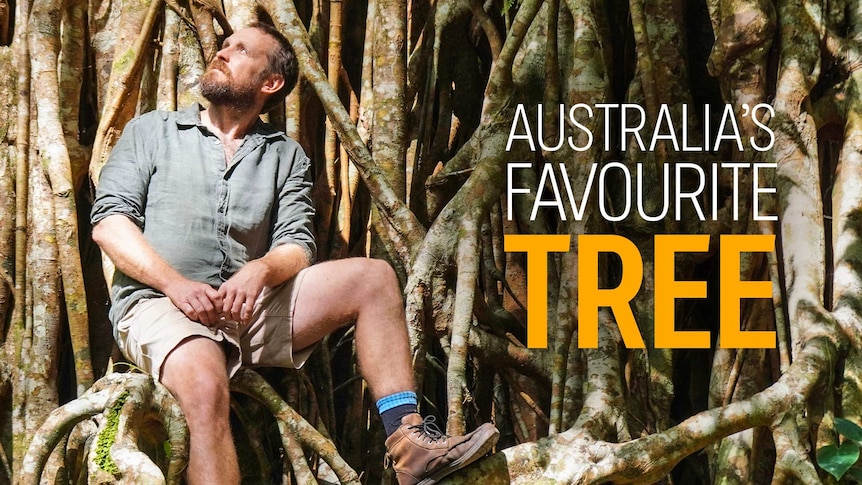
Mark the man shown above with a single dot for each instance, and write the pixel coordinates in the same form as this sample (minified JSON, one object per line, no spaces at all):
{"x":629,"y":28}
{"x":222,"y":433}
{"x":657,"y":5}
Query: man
{"x":206,"y":214}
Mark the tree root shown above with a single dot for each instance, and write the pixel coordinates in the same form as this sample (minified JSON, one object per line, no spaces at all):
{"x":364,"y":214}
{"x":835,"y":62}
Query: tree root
{"x":575,"y":457}
{"x":792,"y":454}
{"x":58,"y":424}
{"x":294,"y":428}
{"x":124,"y":448}
{"x":178,"y":432}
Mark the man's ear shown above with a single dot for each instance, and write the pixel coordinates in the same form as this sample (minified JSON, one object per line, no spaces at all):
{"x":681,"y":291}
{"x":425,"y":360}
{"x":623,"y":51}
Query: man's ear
{"x":273,"y":83}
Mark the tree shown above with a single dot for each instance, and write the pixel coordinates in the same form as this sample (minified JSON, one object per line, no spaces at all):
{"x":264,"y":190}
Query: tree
{"x":417,"y":106}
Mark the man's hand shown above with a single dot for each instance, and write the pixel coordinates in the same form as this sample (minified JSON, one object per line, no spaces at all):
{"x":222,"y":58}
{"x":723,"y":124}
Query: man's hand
{"x":199,"y":301}
{"x":240,"y":292}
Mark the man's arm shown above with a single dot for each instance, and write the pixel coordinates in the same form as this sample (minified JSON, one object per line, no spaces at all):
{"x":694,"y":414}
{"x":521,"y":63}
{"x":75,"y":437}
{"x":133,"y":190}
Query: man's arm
{"x":123,"y":242}
{"x":239,"y":293}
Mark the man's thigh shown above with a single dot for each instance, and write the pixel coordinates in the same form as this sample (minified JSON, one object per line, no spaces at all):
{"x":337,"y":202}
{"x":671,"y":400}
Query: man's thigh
{"x":290,"y":319}
{"x":334,"y":293}
{"x":153,"y":328}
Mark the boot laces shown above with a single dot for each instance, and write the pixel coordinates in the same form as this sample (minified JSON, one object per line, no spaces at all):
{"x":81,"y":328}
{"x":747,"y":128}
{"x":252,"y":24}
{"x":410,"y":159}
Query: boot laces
{"x":429,"y":428}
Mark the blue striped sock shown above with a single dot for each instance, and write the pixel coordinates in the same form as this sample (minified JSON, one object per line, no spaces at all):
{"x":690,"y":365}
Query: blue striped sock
{"x":394,"y":407}
{"x":394,"y":400}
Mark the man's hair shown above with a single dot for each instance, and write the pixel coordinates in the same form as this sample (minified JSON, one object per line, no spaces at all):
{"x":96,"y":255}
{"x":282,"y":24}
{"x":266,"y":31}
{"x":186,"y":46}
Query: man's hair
{"x":282,"y":61}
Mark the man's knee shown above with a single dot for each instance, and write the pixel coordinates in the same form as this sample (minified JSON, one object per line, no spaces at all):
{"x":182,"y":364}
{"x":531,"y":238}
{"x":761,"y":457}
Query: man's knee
{"x":376,"y":274}
{"x":210,"y":396}
{"x":195,"y":373}
{"x":203,"y":398}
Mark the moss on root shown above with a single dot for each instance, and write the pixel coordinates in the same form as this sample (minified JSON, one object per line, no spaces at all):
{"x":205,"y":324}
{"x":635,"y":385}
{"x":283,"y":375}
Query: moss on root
{"x":109,"y":435}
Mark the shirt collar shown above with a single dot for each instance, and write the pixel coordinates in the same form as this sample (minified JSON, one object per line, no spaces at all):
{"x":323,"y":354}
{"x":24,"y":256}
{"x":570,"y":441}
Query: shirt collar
{"x":191,"y":116}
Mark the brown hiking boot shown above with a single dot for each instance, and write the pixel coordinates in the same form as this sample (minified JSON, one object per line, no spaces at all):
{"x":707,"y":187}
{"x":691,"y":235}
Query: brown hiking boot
{"x":421,"y":454}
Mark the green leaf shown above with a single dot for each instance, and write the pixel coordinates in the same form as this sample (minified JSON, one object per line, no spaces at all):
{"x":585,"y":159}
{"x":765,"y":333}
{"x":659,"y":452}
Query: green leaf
{"x":849,"y":429}
{"x":837,"y":460}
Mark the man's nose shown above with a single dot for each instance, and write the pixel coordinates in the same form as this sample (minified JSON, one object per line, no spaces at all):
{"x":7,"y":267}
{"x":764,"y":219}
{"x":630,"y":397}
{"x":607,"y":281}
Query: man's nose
{"x":222,"y":54}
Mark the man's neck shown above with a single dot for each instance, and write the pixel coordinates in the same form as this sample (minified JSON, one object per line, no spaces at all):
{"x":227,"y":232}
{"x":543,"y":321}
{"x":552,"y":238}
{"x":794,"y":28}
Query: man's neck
{"x":228,"y":123}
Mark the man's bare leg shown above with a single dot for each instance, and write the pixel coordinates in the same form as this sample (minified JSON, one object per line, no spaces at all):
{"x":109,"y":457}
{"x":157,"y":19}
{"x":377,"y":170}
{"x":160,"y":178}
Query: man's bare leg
{"x":196,"y":374}
{"x":366,"y":291}
{"x":336,"y":293}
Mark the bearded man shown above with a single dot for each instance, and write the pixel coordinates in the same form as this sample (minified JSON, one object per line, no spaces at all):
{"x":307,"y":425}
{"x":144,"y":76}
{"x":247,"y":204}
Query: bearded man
{"x":207,"y":215}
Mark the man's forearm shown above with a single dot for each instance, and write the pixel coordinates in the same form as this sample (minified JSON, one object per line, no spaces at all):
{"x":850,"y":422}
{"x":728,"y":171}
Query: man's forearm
{"x":124,"y":243}
{"x":283,"y":263}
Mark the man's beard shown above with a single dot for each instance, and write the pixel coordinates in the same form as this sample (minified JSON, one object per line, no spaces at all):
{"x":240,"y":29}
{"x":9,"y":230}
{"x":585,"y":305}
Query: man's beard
{"x":227,"y":92}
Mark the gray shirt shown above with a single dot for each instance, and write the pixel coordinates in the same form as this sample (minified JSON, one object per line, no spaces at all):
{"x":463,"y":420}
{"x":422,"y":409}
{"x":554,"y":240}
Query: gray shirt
{"x":206,"y":218}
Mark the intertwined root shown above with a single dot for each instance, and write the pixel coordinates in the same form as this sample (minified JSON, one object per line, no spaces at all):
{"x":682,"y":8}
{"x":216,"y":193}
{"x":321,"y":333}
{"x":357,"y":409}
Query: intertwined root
{"x":129,"y":429}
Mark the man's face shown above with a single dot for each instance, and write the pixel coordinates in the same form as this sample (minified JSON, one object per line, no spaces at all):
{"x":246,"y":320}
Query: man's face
{"x":236,"y":75}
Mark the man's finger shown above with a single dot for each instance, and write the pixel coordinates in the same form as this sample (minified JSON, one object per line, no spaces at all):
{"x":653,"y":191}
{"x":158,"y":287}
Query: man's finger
{"x":189,"y":311}
{"x":236,"y":308}
{"x":248,"y":308}
{"x":197,"y":312}
{"x":210,"y":311}
{"x":215,"y":297}
{"x":227,"y":306}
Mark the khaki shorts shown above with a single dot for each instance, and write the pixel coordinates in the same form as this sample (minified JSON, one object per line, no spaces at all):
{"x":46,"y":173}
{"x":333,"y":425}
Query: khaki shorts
{"x":153,"y":327}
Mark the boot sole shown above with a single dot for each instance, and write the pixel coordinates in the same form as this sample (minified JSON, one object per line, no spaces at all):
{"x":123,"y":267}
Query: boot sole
{"x":477,"y":451}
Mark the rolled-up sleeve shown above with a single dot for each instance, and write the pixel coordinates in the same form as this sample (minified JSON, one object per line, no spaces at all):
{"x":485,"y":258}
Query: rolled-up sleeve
{"x":294,"y":222}
{"x":125,"y":178}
